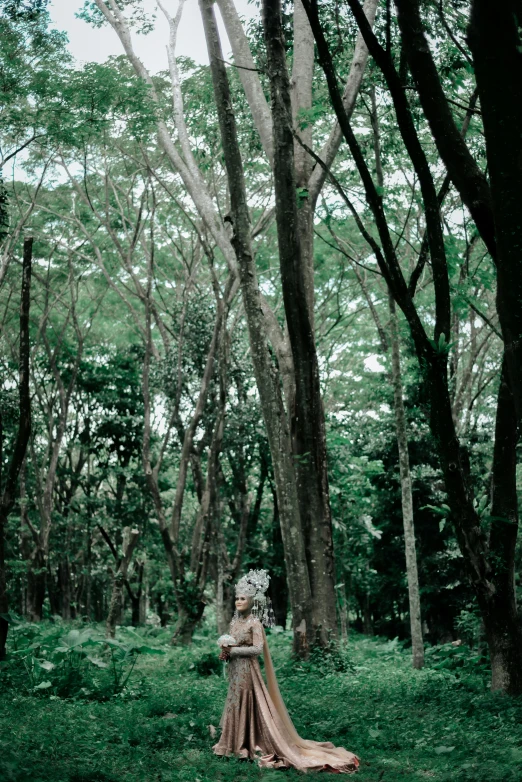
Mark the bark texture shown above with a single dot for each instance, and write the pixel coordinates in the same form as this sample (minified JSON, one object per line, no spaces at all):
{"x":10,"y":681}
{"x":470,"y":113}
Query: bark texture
{"x":130,"y":541}
{"x":308,"y":422}
{"x":267,"y":381}
{"x":412,"y":574}
{"x":9,"y":488}
{"x":494,"y":38}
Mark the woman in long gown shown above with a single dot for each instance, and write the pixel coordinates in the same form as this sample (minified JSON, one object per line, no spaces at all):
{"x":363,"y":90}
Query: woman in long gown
{"x":255,"y":723}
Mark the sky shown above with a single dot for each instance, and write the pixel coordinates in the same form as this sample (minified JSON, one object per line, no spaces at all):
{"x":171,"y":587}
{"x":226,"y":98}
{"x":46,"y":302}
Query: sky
{"x":89,"y":44}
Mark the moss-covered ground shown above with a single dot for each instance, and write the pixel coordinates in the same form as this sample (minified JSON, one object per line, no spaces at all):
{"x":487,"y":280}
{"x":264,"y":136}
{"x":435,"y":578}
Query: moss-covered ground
{"x":440,"y":724}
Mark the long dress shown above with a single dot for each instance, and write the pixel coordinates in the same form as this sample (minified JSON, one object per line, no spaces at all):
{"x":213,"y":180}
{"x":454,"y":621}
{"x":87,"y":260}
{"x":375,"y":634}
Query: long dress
{"x":255,"y":723}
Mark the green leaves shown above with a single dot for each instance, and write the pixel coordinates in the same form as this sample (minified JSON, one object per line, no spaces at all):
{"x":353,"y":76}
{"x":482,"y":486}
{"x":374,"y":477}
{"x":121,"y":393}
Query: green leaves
{"x":440,"y":346}
{"x":64,"y":666}
{"x":43,"y":686}
{"x":307,"y":117}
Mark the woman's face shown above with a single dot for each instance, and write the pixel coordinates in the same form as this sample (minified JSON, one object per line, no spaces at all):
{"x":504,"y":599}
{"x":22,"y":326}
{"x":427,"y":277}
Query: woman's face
{"x":242,"y":603}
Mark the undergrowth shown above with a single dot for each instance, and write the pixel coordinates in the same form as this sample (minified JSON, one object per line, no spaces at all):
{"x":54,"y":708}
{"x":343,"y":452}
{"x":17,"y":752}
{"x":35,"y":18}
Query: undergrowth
{"x":158,"y":723}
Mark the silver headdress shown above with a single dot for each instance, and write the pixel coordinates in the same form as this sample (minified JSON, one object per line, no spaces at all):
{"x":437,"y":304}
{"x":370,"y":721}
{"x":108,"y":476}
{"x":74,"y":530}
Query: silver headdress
{"x":255,"y":585}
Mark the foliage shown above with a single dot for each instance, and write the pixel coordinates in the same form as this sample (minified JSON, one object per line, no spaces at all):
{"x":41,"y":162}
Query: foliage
{"x":430,"y":724}
{"x":46,"y":661}
{"x":108,"y":210}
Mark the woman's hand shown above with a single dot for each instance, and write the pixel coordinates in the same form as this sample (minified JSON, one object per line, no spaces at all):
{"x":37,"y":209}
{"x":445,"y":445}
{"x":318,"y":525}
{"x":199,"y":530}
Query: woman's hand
{"x":225,"y":654}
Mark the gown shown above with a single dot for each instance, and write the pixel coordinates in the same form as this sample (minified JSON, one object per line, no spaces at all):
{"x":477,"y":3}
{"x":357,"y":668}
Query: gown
{"x":255,"y":723}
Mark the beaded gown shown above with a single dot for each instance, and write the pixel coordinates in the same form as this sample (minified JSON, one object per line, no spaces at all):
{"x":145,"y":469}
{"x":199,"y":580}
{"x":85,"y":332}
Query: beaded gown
{"x":255,"y":723}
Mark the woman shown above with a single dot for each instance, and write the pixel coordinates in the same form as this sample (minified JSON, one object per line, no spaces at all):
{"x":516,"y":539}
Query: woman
{"x":255,"y":722}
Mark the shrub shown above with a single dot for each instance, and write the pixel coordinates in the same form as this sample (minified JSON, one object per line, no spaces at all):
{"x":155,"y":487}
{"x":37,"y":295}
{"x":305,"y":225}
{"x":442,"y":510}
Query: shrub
{"x":78,"y":663}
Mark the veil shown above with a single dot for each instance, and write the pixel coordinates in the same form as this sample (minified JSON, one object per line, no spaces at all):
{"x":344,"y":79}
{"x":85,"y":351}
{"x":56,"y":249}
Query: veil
{"x":308,"y":748}
{"x":275,"y":694}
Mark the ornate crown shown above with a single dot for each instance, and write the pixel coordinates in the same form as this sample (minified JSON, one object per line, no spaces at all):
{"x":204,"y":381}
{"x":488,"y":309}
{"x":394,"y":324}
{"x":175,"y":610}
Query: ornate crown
{"x":255,"y":584}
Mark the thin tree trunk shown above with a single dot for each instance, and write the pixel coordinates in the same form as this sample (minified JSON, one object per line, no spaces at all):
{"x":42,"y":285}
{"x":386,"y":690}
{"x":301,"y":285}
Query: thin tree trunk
{"x":64,"y":583}
{"x":367,"y":614}
{"x":130,"y":540}
{"x":221,"y":616}
{"x":401,"y":430}
{"x":278,"y":580}
{"x":137,"y":598}
{"x":406,"y":494}
{"x":343,"y":610}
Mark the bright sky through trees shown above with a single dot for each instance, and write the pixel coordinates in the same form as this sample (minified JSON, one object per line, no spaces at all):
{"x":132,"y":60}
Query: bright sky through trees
{"x":90,"y":44}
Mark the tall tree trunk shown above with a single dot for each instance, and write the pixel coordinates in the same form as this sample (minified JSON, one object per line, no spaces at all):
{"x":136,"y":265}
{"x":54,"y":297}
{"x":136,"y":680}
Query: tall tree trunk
{"x":267,"y":381}
{"x":494,"y":38}
{"x":7,"y":498}
{"x":309,"y":433}
{"x":300,"y":92}
{"x":406,"y":494}
{"x":412,"y":576}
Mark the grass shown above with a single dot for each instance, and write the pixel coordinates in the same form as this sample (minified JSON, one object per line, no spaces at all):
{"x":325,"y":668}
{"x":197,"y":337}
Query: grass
{"x":436,"y":724}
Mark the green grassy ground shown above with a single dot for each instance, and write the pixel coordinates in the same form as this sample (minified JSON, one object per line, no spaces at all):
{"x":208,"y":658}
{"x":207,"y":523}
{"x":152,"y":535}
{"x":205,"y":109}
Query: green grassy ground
{"x":405,"y":725}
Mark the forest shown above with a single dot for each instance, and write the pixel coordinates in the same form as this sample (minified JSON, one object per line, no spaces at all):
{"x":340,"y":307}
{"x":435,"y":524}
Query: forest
{"x":264,"y":312}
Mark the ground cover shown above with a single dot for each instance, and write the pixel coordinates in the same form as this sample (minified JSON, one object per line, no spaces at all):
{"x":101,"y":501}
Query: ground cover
{"x":439,"y":724}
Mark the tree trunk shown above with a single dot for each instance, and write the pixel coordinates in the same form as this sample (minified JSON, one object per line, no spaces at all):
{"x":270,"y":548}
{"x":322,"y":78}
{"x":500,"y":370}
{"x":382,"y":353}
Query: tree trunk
{"x":406,"y":495}
{"x":494,"y":37}
{"x":64,"y":580}
{"x":36,"y":585}
{"x":130,"y":540}
{"x":401,"y":429}
{"x":4,"y":602}
{"x":221,"y":617}
{"x":490,"y":563}
{"x":344,"y":618}
{"x":267,"y":381}
{"x":136,"y":598}
{"x":278,"y":580}
{"x":300,"y":92}
{"x":87,"y":611}
{"x":367,"y":614}
{"x":501,"y":621}
{"x":309,"y":434}
{"x":7,"y":498}
{"x":189,"y":616}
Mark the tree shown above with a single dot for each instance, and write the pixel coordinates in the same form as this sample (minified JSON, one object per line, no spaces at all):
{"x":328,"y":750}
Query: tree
{"x":490,"y":559}
{"x":8,"y":495}
{"x":320,"y":573}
